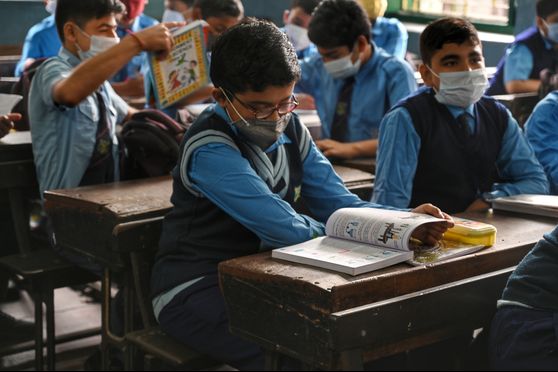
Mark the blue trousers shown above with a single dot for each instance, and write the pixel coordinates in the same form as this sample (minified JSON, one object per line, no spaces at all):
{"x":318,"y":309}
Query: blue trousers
{"x":524,"y":339}
{"x":198,"y":318}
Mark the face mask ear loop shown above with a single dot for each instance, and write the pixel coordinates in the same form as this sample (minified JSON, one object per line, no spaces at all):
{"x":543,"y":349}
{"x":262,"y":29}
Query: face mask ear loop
{"x":435,"y":74}
{"x":234,"y":108}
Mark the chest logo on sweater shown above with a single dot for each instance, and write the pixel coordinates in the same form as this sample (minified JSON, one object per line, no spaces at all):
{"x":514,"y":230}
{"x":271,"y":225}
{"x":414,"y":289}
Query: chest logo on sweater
{"x":297,"y":192}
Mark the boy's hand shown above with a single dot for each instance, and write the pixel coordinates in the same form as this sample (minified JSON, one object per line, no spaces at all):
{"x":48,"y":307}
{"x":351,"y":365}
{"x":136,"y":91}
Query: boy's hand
{"x":7,"y":123}
{"x":158,"y":38}
{"x":334,"y":149}
{"x":431,"y":233}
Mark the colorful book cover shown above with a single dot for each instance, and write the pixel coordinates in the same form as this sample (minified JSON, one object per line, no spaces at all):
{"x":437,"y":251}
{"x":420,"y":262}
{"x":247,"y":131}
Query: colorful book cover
{"x":186,"y":68}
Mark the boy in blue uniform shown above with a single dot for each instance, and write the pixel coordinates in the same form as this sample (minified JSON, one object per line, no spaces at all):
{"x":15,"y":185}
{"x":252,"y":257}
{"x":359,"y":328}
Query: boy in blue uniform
{"x":244,"y":165}
{"x":73,"y":110}
{"x":297,"y":19}
{"x":128,"y":81}
{"x":541,"y":131}
{"x":353,"y":82}
{"x":524,"y":332}
{"x":388,"y":33}
{"x":41,"y":41}
{"x":533,"y":50}
{"x":448,"y":143}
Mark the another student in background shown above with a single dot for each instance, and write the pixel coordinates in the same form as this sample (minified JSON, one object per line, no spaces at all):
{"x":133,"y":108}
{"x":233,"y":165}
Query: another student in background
{"x":296,"y":20}
{"x":128,"y":82}
{"x":353,"y":82}
{"x":388,"y":33}
{"x":42,"y":40}
{"x":73,"y":110}
{"x":449,"y":143}
{"x":533,"y":50}
{"x":541,"y":131}
{"x":523,"y":336}
{"x":245,"y":164}
{"x":178,"y":11}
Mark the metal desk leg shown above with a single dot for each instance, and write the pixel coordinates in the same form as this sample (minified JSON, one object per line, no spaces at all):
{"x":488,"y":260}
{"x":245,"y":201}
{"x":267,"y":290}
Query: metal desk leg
{"x":38,"y":300}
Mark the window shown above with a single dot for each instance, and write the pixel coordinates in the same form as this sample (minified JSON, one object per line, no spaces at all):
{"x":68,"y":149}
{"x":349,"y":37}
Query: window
{"x":488,"y":15}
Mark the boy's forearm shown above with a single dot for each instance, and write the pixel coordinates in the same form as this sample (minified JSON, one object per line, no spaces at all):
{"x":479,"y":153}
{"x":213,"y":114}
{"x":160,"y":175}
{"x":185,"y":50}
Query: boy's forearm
{"x":93,"y":72}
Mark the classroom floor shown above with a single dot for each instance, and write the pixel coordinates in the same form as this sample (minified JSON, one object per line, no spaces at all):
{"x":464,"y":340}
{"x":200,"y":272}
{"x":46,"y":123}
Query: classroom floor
{"x":74,"y":312}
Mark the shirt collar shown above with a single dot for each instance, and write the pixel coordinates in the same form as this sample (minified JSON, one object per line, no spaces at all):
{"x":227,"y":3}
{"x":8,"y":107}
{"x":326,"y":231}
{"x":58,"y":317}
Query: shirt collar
{"x":456,"y":111}
{"x":67,"y":56}
{"x":220,"y":111}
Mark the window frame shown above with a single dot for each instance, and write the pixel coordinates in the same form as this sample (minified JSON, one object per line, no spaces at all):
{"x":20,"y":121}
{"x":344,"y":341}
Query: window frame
{"x":414,"y":17}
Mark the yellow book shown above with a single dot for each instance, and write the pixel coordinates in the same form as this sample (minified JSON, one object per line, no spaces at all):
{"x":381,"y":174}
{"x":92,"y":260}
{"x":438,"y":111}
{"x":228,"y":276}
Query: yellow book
{"x":186,"y":68}
{"x":471,"y":232}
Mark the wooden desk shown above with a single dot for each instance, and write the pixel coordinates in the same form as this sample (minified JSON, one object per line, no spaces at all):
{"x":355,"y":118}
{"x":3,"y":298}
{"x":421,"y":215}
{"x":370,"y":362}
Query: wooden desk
{"x":18,"y":181}
{"x":363,"y":164}
{"x":287,"y":307}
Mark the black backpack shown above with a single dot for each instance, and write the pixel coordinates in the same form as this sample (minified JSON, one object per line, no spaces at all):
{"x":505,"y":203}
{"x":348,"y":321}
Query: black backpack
{"x":151,"y":143}
{"x":22,"y":88}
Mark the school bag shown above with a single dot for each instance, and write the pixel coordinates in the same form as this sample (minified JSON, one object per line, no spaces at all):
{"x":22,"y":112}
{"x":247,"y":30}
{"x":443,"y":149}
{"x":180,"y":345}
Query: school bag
{"x":22,"y":87}
{"x":151,"y":143}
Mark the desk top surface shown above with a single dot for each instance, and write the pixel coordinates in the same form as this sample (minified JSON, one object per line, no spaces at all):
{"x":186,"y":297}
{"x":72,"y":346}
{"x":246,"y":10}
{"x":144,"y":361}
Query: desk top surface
{"x":337,"y":291}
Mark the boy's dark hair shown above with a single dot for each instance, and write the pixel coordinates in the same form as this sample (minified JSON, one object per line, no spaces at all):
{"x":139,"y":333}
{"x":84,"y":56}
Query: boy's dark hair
{"x":307,"y":5}
{"x":83,"y":11}
{"x":253,"y":55}
{"x":546,"y":8}
{"x":220,"y":8}
{"x":338,"y":23}
{"x":444,"y":31}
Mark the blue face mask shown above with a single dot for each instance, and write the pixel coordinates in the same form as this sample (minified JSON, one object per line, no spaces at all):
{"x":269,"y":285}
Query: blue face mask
{"x":552,"y":33}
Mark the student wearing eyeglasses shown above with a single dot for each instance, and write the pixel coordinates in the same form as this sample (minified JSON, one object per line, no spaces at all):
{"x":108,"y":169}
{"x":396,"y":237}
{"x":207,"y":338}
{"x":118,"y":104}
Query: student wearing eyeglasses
{"x":245,"y":166}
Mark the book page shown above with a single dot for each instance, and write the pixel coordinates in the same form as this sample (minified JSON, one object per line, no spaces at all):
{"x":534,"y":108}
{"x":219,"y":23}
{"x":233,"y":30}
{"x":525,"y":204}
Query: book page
{"x":444,"y":250}
{"x":375,"y":226}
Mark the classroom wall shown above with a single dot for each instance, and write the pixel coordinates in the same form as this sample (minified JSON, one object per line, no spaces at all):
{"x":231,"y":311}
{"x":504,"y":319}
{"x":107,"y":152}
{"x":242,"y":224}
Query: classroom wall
{"x":17,"y":16}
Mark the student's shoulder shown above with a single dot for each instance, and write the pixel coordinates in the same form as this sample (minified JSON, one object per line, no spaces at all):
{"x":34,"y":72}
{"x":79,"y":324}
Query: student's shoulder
{"x":392,"y":65}
{"x":393,"y":25}
{"x":46,"y":25}
{"x":146,"y":21}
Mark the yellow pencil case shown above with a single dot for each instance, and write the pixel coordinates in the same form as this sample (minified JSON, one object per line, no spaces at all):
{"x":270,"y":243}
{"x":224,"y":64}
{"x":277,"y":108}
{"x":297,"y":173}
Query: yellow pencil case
{"x":471,"y":232}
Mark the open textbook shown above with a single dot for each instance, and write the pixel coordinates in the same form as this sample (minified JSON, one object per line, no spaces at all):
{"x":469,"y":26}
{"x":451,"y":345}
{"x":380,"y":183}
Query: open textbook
{"x":359,"y":240}
{"x":185,"y":69}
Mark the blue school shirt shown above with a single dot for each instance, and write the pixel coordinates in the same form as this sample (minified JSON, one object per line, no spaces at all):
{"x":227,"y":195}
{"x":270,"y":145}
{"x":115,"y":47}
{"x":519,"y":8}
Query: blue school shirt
{"x":217,"y":169}
{"x":390,"y":35}
{"x":400,"y":146}
{"x":541,"y":131}
{"x":379,"y":84}
{"x":133,"y":67}
{"x":42,"y":41}
{"x":63,"y":138}
{"x":520,"y":61}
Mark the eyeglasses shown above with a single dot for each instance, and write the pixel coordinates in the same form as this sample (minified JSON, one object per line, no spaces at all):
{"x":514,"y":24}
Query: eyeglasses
{"x":282,"y":108}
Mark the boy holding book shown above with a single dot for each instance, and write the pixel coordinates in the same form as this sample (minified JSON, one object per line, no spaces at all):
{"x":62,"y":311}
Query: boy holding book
{"x":353,"y":82}
{"x":245,"y":165}
{"x":448,"y":143}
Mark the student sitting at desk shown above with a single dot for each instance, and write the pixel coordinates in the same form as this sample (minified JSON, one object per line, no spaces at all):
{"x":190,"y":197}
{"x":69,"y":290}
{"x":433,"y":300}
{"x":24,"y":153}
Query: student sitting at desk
{"x":41,"y":41}
{"x":448,"y":143}
{"x":353,"y":82}
{"x":244,"y":165}
{"x":388,"y":33}
{"x":541,"y":131}
{"x":128,"y":82}
{"x":524,"y":332}
{"x":72,"y":108}
{"x":296,"y":20}
{"x":533,"y":50}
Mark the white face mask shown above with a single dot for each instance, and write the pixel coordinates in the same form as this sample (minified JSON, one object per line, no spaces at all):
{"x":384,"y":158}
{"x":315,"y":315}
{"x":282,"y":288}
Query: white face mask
{"x":50,"y":6}
{"x":552,"y":33}
{"x":172,"y":16}
{"x":461,"y":89}
{"x":343,"y":67}
{"x":98,"y":45}
{"x":298,"y":36}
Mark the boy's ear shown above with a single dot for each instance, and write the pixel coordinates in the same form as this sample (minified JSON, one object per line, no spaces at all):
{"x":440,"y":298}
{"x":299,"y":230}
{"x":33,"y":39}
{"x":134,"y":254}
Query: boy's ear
{"x":69,"y":33}
{"x":362,"y":43}
{"x":541,"y":25}
{"x":219,"y":97}
{"x":426,"y":74}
